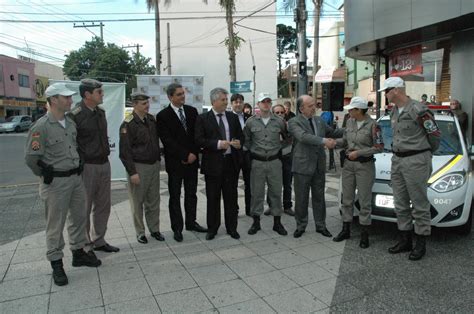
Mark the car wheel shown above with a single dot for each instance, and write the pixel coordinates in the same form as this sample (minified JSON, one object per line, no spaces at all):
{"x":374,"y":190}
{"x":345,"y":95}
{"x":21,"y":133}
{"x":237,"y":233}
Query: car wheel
{"x":466,"y":228}
{"x":17,"y":129}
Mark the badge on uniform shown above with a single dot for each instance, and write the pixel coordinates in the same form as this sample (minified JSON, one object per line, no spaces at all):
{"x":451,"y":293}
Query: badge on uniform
{"x":35,"y":145}
{"x":429,"y":124}
{"x":35,"y":134}
{"x":123,"y":130}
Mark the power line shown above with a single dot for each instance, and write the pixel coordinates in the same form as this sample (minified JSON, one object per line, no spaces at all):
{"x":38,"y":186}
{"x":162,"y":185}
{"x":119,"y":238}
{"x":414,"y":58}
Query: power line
{"x":64,"y":3}
{"x":150,"y":13}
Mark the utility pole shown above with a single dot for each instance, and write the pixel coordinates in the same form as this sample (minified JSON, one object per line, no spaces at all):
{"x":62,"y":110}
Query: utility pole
{"x":157,"y":39}
{"x":300,"y":18}
{"x":317,"y":14}
{"x":101,"y":25}
{"x":134,"y":46}
{"x":168,"y":39}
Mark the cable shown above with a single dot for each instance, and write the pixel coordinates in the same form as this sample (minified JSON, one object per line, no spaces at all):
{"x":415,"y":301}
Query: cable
{"x":67,"y":3}
{"x":150,"y":13}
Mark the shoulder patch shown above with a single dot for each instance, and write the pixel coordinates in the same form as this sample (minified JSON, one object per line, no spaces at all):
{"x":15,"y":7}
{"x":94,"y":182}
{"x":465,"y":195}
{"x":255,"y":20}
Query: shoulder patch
{"x":76,"y":110}
{"x":128,"y":118}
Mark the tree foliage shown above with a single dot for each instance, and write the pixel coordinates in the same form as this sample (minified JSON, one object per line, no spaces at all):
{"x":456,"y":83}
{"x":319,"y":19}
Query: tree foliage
{"x":287,"y":42}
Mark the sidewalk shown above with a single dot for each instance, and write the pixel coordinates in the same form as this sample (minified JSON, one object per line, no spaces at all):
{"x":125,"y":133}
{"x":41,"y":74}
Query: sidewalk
{"x":263,"y":273}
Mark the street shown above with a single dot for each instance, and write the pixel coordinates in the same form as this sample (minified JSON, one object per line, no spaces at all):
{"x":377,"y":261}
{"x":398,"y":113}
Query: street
{"x":13,"y":170}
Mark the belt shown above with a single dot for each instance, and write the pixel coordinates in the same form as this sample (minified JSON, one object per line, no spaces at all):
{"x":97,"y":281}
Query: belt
{"x":410,"y":152}
{"x":264,"y":158}
{"x":96,"y":161}
{"x":67,"y":173}
{"x":362,"y":159}
{"x":147,"y":162}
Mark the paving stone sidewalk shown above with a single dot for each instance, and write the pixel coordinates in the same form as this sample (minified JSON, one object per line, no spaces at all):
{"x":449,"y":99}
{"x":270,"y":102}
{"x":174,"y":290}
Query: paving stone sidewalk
{"x":264,"y":273}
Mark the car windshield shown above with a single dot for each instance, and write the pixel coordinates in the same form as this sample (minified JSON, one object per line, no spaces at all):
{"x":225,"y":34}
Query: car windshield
{"x":13,"y":119}
{"x":450,"y":142}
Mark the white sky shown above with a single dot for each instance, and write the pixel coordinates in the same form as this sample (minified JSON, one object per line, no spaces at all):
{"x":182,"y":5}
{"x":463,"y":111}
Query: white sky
{"x":54,"y":41}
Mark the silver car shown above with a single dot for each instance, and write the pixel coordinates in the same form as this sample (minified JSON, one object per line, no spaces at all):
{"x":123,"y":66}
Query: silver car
{"x":15,"y":124}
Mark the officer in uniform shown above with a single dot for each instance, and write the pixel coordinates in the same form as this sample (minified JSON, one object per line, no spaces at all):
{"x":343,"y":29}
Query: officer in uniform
{"x":362,"y":139}
{"x":51,"y":153}
{"x":415,"y":137}
{"x":94,"y":150}
{"x":140,"y":154}
{"x":262,"y":139}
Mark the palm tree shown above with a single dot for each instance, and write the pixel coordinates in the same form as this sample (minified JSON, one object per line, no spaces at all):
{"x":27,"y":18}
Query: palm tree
{"x":154,"y":5}
{"x":317,"y":15}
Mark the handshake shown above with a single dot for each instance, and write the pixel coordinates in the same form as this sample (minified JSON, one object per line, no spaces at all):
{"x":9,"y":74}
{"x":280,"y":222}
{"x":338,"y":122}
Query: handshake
{"x":330,"y":143}
{"x":225,"y":144}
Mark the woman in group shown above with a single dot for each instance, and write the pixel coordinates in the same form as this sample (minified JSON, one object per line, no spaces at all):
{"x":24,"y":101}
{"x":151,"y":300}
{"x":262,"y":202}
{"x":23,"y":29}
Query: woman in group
{"x":362,"y":139}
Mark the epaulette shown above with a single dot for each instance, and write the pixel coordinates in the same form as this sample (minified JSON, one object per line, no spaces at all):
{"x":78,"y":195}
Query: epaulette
{"x":150,"y":116}
{"x":76,"y":110}
{"x":128,"y":118}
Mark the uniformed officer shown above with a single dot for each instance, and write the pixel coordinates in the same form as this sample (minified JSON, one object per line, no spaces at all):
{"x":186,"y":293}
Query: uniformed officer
{"x":140,"y":154}
{"x":51,"y":153}
{"x":415,"y":137}
{"x":94,"y":151}
{"x":362,"y":139}
{"x":262,"y":139}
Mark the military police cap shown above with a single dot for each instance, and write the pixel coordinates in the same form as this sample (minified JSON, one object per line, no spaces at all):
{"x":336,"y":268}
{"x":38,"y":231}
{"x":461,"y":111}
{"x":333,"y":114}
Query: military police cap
{"x":139,"y":96}
{"x":91,"y":83}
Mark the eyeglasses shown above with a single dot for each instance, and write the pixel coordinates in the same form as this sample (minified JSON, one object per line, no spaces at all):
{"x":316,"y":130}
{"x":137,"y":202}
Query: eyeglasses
{"x":266,"y":100}
{"x":279,"y":112}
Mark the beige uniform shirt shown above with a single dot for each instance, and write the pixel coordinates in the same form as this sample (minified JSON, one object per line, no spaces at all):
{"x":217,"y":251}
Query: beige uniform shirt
{"x":264,"y":140}
{"x":366,"y":140}
{"x":53,"y":144}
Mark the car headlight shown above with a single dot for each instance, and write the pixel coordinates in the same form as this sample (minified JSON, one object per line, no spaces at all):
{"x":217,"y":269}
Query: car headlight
{"x":448,"y":182}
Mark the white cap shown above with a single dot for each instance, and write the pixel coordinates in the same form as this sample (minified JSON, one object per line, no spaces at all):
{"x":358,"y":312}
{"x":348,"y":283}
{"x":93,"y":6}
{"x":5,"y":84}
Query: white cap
{"x":58,"y":89}
{"x":263,"y":96}
{"x":357,"y":102}
{"x":392,"y":82}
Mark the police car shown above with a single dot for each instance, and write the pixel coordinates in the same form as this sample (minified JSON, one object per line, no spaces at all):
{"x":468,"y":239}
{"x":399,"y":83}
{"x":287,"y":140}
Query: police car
{"x":450,"y":187}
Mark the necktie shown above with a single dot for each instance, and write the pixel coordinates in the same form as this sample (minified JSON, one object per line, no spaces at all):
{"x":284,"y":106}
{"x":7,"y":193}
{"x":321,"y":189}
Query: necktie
{"x":310,"y":120}
{"x":221,"y":126}
{"x":183,"y":119}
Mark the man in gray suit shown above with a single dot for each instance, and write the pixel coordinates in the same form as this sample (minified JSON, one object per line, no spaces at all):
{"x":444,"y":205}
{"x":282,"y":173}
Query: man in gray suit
{"x":311,"y":135}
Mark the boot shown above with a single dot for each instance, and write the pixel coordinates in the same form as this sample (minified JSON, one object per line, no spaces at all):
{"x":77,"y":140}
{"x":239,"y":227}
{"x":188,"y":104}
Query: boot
{"x":403,"y":245}
{"x":420,"y":248}
{"x":345,"y":232}
{"x":278,"y":227}
{"x":255,"y":225}
{"x":364,"y":237}
{"x":81,"y":258}
{"x":59,"y":276}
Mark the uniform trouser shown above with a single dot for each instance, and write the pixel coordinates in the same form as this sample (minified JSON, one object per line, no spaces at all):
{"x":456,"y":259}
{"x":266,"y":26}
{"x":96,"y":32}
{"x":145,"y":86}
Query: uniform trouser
{"x":361,"y":176}
{"x":97,"y":184}
{"x":64,"y":199}
{"x":287,"y":176}
{"x":303,"y":184}
{"x":268,"y":172}
{"x":145,"y":197}
{"x":224,"y":184}
{"x":246,"y":168}
{"x":409,"y":182}
{"x":189,"y":177}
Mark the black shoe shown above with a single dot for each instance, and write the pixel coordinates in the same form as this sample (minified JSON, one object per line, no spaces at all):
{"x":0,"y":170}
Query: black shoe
{"x":289,"y":211}
{"x":81,"y":258}
{"x":267,"y":212}
{"x":59,"y":276}
{"x":142,"y":239}
{"x":325,"y":232}
{"x":196,"y":227}
{"x":210,"y":236}
{"x":345,"y":232}
{"x":255,"y":225}
{"x":158,"y":236}
{"x":364,"y":238}
{"x":178,"y":236}
{"x":420,"y":248}
{"x":404,"y":244}
{"x":278,"y":227}
{"x":234,"y":235}
{"x":298,"y":233}
{"x":107,"y":248}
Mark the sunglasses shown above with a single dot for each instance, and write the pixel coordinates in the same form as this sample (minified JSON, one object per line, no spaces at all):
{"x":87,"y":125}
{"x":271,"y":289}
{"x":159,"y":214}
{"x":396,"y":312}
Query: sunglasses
{"x":279,"y":112}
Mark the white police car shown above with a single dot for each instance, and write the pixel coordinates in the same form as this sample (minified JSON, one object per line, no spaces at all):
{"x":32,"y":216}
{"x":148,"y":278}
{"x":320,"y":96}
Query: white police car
{"x":450,"y":187}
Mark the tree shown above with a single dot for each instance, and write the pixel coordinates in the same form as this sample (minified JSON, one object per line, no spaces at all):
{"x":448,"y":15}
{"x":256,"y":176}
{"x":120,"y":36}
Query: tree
{"x":139,"y":64}
{"x":317,"y":15}
{"x":155,"y":6}
{"x":286,"y":43}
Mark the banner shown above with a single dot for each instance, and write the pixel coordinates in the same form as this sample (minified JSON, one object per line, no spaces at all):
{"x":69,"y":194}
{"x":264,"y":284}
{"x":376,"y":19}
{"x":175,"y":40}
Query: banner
{"x":155,"y":86}
{"x":114,"y":106}
{"x":406,"y":61}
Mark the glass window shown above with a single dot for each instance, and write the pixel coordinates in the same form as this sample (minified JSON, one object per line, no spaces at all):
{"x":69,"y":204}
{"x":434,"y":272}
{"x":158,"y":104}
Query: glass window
{"x":23,"y":80}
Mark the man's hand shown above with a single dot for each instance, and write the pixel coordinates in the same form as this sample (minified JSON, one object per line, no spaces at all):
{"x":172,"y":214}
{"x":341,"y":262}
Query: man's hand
{"x":353,"y":155}
{"x":135,"y":179}
{"x":235,"y":143}
{"x":330,"y":143}
{"x":223,"y":144}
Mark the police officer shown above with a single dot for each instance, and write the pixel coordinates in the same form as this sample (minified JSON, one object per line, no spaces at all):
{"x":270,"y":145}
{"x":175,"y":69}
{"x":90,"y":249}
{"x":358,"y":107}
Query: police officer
{"x":140,"y":154}
{"x":362,"y":139}
{"x":51,"y":153}
{"x":94,"y":150}
{"x":262,"y":139}
{"x":415,"y":137}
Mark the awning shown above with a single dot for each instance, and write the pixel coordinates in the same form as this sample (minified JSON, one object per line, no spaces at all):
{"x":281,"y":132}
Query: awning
{"x":330,"y":74}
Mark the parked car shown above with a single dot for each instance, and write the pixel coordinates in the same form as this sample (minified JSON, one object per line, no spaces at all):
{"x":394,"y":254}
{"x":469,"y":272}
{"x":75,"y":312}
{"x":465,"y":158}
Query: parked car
{"x":15,"y":124}
{"x":450,"y":187}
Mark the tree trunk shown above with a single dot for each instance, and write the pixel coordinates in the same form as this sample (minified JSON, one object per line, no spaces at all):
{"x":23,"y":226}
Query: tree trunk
{"x":231,"y":46}
{"x":157,"y":38}
{"x":317,"y":14}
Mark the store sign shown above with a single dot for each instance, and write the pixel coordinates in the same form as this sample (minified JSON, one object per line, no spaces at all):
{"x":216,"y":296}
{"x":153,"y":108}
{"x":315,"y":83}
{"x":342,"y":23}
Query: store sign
{"x":406,"y":61}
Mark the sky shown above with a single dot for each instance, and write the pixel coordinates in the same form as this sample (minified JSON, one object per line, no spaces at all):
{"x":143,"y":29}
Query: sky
{"x":50,"y":42}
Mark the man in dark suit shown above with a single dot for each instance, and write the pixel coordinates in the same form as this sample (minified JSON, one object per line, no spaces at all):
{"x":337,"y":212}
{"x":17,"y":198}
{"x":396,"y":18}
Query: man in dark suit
{"x":237,"y":103}
{"x":175,"y":126}
{"x":218,"y":133}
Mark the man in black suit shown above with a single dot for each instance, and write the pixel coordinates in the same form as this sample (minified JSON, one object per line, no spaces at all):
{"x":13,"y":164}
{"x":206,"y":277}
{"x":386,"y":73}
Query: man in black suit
{"x":237,"y":103}
{"x":175,"y":126}
{"x":218,"y":133}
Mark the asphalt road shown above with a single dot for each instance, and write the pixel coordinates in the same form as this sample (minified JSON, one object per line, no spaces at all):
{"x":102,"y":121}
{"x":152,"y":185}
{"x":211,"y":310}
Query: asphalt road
{"x":13,"y":170}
